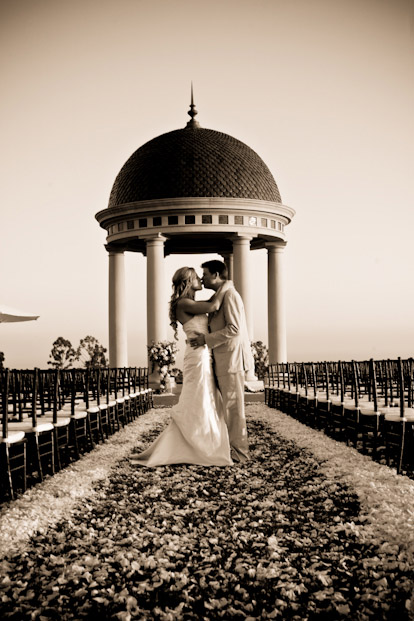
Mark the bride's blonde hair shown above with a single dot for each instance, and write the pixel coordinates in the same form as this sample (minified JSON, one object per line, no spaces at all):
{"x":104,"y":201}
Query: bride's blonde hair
{"x":181,"y":285}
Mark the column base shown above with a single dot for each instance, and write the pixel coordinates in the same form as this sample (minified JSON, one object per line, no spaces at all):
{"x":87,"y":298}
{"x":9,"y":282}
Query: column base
{"x":250,"y":376}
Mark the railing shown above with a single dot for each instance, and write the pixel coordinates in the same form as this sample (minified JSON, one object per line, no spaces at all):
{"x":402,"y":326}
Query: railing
{"x":50,"y":417}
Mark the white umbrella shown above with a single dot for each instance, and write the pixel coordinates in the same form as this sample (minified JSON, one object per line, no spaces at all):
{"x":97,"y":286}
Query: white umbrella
{"x":9,"y":315}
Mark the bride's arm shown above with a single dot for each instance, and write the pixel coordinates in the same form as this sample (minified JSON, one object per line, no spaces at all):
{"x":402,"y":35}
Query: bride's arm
{"x":209,"y":306}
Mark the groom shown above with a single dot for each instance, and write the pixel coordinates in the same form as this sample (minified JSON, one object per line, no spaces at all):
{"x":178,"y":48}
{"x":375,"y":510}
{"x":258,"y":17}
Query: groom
{"x":229,"y":341}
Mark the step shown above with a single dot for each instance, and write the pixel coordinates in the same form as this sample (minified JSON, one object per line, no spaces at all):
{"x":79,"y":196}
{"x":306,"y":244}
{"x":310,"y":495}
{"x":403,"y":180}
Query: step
{"x":167,"y":400}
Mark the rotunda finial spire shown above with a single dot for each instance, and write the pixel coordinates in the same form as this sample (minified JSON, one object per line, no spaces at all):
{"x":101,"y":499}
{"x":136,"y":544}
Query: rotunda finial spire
{"x":192,"y":112}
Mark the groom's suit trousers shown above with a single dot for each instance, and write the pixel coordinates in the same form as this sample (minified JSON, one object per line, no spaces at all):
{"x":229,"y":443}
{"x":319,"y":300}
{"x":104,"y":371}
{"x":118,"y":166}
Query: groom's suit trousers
{"x":232,"y":391}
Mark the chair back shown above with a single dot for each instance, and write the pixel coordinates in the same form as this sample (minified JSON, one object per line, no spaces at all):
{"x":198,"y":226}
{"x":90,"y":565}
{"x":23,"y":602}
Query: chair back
{"x":5,"y":379}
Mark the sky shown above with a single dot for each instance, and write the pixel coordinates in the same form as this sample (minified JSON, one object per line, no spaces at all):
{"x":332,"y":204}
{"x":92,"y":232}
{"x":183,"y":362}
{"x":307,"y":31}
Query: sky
{"x":322,"y":90}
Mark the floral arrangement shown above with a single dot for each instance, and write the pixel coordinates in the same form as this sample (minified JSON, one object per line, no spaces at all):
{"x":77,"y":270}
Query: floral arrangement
{"x":162,"y":358}
{"x":261,"y":358}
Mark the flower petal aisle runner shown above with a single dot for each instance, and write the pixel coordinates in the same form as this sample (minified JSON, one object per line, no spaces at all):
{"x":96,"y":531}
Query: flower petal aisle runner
{"x":307,"y":529}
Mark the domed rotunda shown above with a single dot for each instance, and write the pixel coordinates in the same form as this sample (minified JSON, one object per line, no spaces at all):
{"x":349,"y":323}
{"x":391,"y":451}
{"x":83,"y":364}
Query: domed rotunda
{"x":194,"y":190}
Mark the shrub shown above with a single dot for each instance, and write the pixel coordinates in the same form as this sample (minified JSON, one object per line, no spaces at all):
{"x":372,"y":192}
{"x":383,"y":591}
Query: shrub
{"x":261,"y":358}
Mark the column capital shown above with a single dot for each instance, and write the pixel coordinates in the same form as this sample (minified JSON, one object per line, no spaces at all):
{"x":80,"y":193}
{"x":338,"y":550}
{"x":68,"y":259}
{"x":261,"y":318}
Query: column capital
{"x":114,"y":249}
{"x":276,"y":246}
{"x":156,"y":239}
{"x":241,"y":237}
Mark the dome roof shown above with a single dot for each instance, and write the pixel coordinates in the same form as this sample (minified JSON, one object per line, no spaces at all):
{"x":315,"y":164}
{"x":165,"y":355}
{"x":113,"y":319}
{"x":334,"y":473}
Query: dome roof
{"x":193,"y":162}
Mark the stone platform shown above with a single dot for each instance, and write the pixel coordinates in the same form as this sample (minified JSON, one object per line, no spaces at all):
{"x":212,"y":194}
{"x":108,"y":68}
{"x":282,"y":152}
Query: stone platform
{"x":168,"y":399}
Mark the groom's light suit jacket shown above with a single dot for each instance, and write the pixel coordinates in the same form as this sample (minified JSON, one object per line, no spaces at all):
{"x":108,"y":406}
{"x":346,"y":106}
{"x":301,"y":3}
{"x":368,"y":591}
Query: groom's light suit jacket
{"x":229,"y":339}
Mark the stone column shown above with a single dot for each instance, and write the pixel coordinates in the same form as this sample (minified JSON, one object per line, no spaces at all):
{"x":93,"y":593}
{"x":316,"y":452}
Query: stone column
{"x":276,"y":302}
{"x":228,"y":260}
{"x":241,"y":276}
{"x":118,"y":349}
{"x":243,"y":284}
{"x":157,"y":311}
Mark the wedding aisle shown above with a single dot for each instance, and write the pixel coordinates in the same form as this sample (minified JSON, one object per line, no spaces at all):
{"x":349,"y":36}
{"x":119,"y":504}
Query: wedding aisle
{"x":307,"y":529}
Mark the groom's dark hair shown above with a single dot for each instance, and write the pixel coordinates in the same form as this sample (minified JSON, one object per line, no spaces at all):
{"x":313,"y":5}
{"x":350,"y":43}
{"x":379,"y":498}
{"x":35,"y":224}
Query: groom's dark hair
{"x":217,"y":267}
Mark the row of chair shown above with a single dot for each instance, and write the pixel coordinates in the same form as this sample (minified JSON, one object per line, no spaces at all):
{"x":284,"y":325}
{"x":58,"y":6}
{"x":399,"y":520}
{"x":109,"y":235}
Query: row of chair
{"x":50,"y":417}
{"x":368,"y":404}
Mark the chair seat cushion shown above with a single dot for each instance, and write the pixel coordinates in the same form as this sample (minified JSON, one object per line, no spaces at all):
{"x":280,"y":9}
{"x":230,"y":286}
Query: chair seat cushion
{"x":323,"y":399}
{"x":62,"y":421}
{"x":78,"y":405}
{"x":27,"y":427}
{"x":364,"y":411}
{"x":386,"y":409}
{"x":367,"y":406}
{"x":394,"y":417}
{"x":105,"y":406}
{"x":94,"y":409}
{"x":120,"y":400}
{"x":76,"y":416}
{"x":13,"y":437}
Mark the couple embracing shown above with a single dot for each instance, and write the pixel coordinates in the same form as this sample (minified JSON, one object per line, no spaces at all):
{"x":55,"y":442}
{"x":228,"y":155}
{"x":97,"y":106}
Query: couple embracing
{"x":208,"y":424}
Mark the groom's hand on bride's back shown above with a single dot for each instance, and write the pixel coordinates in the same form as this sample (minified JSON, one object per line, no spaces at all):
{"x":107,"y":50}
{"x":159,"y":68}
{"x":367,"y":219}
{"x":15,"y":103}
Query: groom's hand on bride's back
{"x":198,"y":341}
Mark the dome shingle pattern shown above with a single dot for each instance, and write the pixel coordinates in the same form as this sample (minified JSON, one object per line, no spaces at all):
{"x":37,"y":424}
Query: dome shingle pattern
{"x":193,"y":162}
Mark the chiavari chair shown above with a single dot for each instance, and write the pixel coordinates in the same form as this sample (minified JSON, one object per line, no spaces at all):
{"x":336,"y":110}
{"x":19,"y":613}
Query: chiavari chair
{"x":279,"y":385}
{"x":142,"y":395}
{"x":111,"y":404}
{"x":268,"y":383}
{"x":129,"y":395}
{"x":104,"y":405}
{"x":363,"y":417}
{"x":305,"y":397}
{"x":13,"y":462}
{"x":370,"y":415}
{"x":126,"y":410}
{"x":294,"y":393}
{"x":147,"y":391}
{"x":134,"y":393}
{"x":323,"y":400}
{"x":399,"y":422}
{"x":80,"y":436}
{"x":100,"y":430}
{"x":288,"y":393}
{"x":285,"y":389}
{"x":119,"y":400}
{"x":92,"y":401}
{"x":351,"y":411}
{"x":312,"y":397}
{"x":49,"y":390}
{"x":40,"y":435}
{"x":336,"y":418}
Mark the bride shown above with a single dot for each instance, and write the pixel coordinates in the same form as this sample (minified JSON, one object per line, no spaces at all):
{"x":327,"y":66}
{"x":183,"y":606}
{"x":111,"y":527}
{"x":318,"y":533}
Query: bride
{"x":197,"y":432}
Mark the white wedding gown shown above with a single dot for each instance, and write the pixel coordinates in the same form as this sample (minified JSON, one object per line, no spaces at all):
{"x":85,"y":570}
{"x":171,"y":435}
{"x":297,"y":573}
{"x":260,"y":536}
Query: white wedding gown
{"x":197,"y":432}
